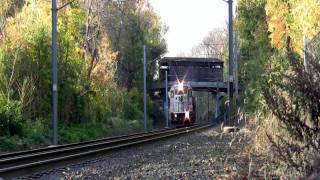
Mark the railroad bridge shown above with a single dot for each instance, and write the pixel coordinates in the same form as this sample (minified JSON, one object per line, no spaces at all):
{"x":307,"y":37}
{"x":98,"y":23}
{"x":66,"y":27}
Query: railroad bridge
{"x":202,"y":74}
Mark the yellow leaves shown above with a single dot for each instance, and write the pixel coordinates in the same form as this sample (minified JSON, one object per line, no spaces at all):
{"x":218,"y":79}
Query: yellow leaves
{"x":293,"y":18}
{"x":105,"y":51}
{"x":5,"y":4}
{"x":278,"y":29}
{"x":305,"y":22}
{"x":105,"y":67}
{"x":277,"y":14}
{"x":35,"y":13}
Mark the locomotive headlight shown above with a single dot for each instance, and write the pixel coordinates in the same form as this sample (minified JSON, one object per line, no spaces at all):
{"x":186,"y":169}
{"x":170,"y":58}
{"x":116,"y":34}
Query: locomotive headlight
{"x":175,"y":115}
{"x":187,"y":115}
{"x":180,"y":86}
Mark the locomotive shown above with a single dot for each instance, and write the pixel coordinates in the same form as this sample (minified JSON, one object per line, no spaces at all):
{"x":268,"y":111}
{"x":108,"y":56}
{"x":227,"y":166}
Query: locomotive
{"x":182,"y":104}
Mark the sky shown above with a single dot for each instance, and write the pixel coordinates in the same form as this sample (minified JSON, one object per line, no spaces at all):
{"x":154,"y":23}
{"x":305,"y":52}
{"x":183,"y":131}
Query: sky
{"x":189,"y":21}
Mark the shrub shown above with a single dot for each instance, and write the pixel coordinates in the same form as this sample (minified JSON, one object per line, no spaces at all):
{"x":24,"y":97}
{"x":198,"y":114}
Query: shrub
{"x":294,"y":100}
{"x":36,"y":132}
{"x":88,"y":131}
{"x":10,"y":117}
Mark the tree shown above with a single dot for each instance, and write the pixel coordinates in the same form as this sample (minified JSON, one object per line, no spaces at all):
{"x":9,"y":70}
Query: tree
{"x":214,"y":45}
{"x":254,"y":50}
{"x":99,"y":48}
{"x":130,"y":25}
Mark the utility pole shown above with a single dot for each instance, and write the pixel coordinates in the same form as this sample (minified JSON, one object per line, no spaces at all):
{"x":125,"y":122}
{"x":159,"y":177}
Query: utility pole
{"x":145,"y":87}
{"x":208,"y":107}
{"x":230,"y":79}
{"x":167,"y":106}
{"x":236,"y":79}
{"x":55,"y":71}
{"x":54,"y":74}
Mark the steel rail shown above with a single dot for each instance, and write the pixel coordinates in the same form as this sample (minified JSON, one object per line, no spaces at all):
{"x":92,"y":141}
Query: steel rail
{"x":19,"y":153}
{"x":65,"y":150}
{"x":37,"y":161}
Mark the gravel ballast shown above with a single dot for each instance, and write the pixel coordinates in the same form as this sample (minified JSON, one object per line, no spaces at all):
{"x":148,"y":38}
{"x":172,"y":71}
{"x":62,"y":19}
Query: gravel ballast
{"x":202,"y":155}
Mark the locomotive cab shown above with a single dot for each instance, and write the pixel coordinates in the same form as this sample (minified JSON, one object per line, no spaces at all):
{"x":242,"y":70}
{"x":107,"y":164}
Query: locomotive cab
{"x":182,"y":108}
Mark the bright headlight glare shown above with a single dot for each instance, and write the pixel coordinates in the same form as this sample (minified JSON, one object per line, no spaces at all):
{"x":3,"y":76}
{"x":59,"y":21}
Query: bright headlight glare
{"x":187,"y":114}
{"x":180,"y":86}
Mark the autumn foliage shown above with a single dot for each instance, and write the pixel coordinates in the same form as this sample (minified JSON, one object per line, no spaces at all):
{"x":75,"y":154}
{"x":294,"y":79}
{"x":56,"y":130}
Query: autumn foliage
{"x":100,"y":65}
{"x":281,"y":90}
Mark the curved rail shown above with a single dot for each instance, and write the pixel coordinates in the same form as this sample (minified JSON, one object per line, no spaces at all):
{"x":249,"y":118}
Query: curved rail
{"x":32,"y":161}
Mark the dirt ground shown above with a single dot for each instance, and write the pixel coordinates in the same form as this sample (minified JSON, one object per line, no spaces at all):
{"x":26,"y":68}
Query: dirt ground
{"x":210,"y":154}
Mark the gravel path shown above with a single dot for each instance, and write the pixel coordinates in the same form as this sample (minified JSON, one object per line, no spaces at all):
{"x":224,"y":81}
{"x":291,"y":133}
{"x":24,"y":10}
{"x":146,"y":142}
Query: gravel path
{"x":204,"y":155}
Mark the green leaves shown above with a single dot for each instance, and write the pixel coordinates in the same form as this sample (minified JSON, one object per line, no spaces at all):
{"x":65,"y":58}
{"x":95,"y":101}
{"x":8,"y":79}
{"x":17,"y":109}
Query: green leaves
{"x":10,"y":116}
{"x":251,"y":24}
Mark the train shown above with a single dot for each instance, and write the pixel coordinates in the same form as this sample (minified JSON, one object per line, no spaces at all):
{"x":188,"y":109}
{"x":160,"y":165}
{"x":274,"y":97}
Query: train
{"x":182,"y":110}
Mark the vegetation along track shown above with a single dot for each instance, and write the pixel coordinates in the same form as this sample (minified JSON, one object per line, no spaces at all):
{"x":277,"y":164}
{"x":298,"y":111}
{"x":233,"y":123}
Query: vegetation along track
{"x":32,"y":161}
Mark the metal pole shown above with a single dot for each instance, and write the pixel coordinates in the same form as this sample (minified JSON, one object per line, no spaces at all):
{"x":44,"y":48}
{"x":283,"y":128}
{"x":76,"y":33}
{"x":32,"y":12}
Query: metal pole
{"x":305,"y":60}
{"x":145,"y":86}
{"x":236,"y":69}
{"x":208,"y":106}
{"x":54,"y":74}
{"x":230,"y":62}
{"x":217,"y":105}
{"x":167,"y":106}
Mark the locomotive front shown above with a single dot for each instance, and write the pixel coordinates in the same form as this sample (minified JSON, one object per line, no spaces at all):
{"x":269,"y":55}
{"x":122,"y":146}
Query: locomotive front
{"x":182,"y":110}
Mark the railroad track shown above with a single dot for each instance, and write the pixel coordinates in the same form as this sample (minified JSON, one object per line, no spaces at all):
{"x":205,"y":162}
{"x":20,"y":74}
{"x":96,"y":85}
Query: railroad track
{"x":34,"y":161}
